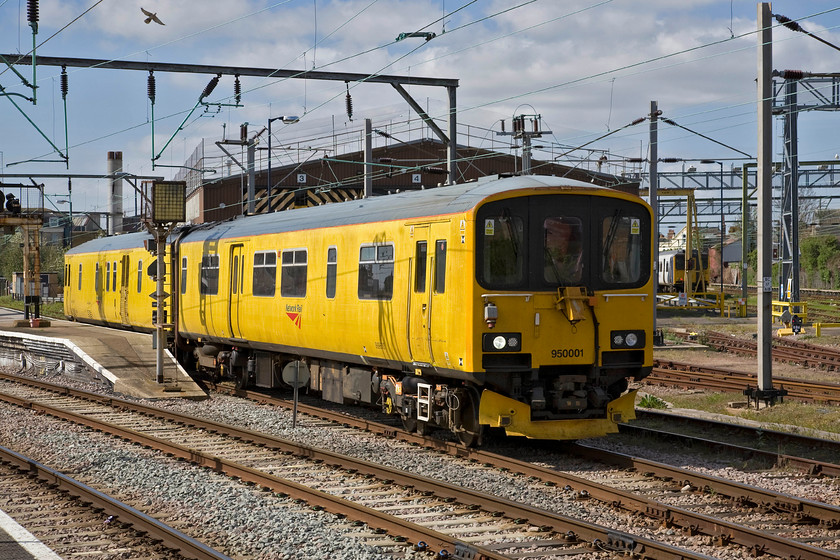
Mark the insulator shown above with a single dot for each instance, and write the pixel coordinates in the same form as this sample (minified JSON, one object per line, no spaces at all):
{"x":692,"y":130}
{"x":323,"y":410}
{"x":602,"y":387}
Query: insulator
{"x":65,"y":86}
{"x":32,"y":11}
{"x":348,"y":101}
{"x":211,"y":85}
{"x":237,"y":90}
{"x":150,"y":87}
{"x":503,"y":125}
{"x":793,"y":74}
{"x":789,"y":23}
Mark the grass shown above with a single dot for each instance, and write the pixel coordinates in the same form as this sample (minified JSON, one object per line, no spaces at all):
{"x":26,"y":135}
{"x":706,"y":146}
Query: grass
{"x":809,"y":416}
{"x":652,"y":401}
{"x":709,"y":402}
{"x":52,"y":309}
{"x":789,"y":416}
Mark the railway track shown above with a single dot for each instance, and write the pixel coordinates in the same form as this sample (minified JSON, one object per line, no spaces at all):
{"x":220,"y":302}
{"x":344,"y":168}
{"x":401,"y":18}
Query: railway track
{"x":462,"y":519}
{"x":530,"y":532}
{"x":656,"y":480}
{"x":758,"y":445}
{"x":77,"y":521}
{"x":691,"y":376}
{"x":783,"y":350}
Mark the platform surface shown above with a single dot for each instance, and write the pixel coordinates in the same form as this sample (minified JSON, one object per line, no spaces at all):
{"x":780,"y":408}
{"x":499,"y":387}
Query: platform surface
{"x":126,"y":358}
{"x":16,"y":543}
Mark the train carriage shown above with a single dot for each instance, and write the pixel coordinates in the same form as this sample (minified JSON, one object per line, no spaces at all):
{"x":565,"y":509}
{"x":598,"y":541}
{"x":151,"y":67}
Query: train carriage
{"x":519,"y":303}
{"x":673,"y":270}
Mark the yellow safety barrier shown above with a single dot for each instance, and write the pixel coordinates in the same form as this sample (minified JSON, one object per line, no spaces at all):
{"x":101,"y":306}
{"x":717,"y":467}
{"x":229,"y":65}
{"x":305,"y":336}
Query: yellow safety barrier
{"x":819,"y":326}
{"x":736,"y":309}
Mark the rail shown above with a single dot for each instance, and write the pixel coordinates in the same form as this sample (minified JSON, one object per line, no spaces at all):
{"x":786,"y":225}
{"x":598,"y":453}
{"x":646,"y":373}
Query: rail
{"x":170,"y":537}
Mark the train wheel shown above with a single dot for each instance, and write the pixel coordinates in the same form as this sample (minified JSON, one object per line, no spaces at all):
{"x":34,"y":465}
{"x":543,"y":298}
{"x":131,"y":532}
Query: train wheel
{"x":472,"y":431}
{"x":409,"y":424}
{"x":242,"y":379}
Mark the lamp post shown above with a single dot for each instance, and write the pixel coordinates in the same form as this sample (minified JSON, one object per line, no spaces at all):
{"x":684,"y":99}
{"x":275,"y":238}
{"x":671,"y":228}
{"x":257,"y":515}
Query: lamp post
{"x":286,"y":120}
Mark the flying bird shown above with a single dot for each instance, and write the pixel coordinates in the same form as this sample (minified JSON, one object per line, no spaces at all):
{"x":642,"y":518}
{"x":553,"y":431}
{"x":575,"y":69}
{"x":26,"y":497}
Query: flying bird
{"x":152,"y":17}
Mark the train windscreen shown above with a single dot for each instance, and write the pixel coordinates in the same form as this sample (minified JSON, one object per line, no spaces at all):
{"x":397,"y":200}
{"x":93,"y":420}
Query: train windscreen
{"x":545,"y":242}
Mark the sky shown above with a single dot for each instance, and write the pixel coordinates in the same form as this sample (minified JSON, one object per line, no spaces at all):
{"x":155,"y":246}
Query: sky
{"x":587,"y":67}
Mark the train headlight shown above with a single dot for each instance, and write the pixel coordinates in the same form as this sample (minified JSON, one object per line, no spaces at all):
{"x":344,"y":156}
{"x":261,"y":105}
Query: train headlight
{"x":501,"y":342}
{"x":627,"y":339}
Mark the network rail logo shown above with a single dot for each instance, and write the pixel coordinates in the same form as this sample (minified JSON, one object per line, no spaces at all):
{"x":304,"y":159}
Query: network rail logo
{"x":294,"y":313}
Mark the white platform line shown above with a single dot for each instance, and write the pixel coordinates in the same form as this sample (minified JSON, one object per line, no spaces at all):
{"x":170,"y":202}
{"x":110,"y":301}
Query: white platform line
{"x":26,"y":540}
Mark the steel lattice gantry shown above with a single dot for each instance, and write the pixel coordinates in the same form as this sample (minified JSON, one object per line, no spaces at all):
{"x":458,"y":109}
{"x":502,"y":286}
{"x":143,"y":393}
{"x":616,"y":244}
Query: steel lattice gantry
{"x":820,"y":93}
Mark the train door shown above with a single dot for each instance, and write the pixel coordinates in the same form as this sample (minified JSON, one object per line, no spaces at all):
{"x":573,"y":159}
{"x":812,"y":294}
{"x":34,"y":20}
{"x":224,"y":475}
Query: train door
{"x":426,"y":285}
{"x":419,"y":343}
{"x":124,"y":271}
{"x":237,"y":268}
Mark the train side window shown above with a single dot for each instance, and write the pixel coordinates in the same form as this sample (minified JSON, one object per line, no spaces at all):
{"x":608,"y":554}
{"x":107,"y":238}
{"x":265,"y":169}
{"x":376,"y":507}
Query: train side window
{"x":376,"y":272}
{"x":107,"y":276}
{"x":293,"y":273}
{"x":140,"y":276}
{"x":234,"y":275}
{"x":332,"y":271}
{"x":114,"y":282}
{"x":209,"y":275}
{"x":80,"y":277}
{"x":420,"y":256}
{"x":97,"y":279}
{"x":265,"y":273}
{"x":183,"y":275}
{"x":440,"y":266}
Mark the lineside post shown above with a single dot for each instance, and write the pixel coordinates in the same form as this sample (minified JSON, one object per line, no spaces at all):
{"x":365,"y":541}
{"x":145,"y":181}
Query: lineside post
{"x":168,"y":208}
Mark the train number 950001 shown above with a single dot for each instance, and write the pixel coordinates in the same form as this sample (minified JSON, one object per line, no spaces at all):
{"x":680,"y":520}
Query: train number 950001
{"x":567,"y":353}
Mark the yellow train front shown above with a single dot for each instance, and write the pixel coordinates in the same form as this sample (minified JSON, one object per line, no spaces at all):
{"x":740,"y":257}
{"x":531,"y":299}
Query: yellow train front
{"x":521,"y":303}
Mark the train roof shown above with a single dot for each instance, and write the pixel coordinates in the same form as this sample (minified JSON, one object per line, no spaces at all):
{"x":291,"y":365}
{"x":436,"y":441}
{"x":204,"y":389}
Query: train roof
{"x":401,"y":206}
{"x":119,"y":242}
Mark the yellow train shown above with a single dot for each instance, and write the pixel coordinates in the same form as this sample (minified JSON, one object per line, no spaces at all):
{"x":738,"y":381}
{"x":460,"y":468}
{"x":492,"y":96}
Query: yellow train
{"x":522,"y":303}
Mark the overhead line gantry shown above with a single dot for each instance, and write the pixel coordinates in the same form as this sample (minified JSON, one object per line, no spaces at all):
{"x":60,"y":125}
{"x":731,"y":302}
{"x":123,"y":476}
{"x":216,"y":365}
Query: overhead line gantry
{"x":397,"y":82}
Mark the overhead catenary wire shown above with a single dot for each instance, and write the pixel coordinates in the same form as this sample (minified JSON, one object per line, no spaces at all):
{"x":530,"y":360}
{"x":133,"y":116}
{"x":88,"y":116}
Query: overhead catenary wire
{"x":528,"y":93}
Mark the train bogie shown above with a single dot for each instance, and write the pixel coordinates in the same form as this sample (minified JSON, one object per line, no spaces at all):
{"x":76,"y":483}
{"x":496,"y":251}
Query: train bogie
{"x":522,"y":303}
